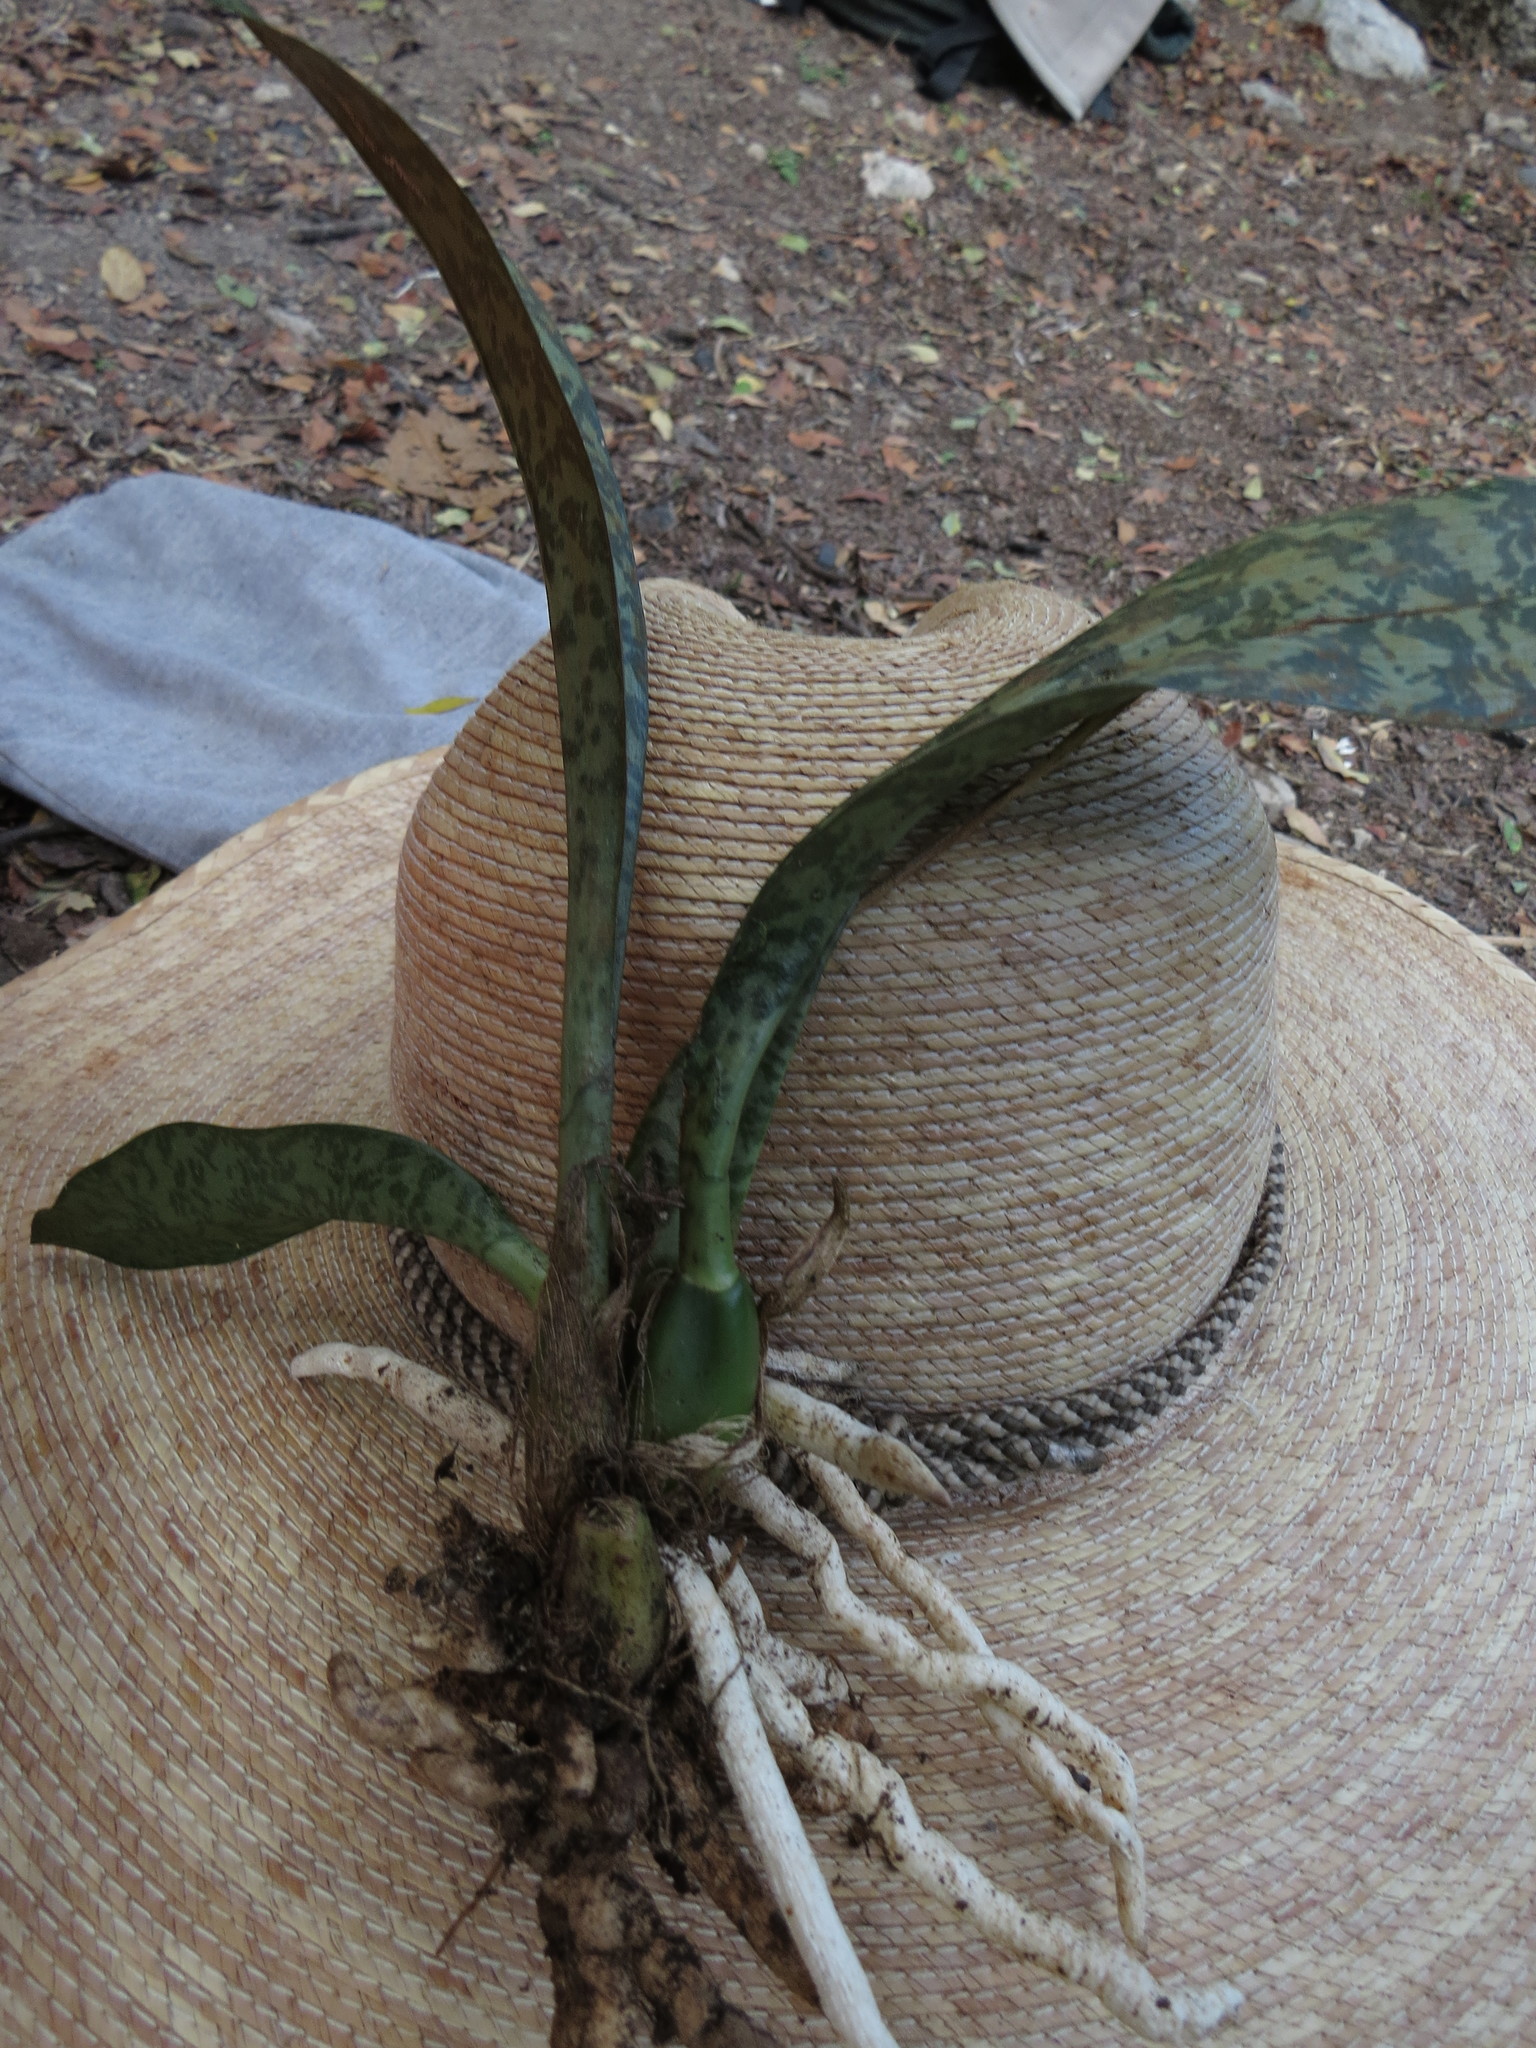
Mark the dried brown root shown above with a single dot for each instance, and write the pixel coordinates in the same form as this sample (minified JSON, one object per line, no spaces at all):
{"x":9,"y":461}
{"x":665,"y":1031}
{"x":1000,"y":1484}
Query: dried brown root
{"x":811,"y":1263}
{"x":844,"y":1776}
{"x":698,"y":1838}
{"x":773,"y":1826}
{"x":950,"y":1622}
{"x":446,"y":1749}
{"x":464,"y":1418}
{"x":623,"y":1978}
{"x":868,"y":1455}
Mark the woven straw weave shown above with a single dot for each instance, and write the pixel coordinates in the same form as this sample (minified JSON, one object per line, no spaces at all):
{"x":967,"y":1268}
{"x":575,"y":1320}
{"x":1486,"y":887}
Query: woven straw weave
{"x":1043,"y":1064}
{"x":1306,"y":1602}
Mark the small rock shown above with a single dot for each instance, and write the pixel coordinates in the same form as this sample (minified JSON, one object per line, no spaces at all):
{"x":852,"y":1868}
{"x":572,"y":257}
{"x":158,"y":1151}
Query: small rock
{"x":894,"y":177}
{"x":1526,"y":173}
{"x":758,"y":151}
{"x":1366,"y":38}
{"x":727,"y":268}
{"x":814,"y":103}
{"x":1283,"y":105}
{"x":1273,"y":792}
{"x":123,"y":274}
{"x":114,"y":892}
{"x":270,"y":91}
{"x":1513,"y":130}
{"x":299,"y":325}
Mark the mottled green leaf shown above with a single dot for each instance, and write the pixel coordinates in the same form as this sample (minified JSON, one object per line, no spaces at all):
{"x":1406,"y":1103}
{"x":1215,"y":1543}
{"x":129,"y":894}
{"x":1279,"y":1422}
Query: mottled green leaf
{"x":200,"y":1194}
{"x":1420,"y":611}
{"x":597,"y":624}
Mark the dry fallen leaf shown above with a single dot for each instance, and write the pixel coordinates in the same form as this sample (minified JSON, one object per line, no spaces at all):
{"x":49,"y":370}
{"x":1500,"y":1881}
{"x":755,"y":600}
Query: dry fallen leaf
{"x":409,"y":321}
{"x":317,"y":435}
{"x":894,"y":454}
{"x":122,"y":273}
{"x":1125,"y":531}
{"x":1306,"y":827}
{"x":433,"y":455}
{"x":1334,"y":760}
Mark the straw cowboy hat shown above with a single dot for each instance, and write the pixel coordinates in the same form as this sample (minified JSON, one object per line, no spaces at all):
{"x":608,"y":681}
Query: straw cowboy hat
{"x":1301,"y":1597}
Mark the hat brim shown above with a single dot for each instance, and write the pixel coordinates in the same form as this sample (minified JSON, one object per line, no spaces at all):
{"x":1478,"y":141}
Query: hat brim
{"x":1305,"y":1607}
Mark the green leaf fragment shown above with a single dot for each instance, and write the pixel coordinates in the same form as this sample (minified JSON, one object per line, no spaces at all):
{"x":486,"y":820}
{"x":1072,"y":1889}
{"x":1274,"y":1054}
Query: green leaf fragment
{"x":1511,"y":831}
{"x":193,"y":1194}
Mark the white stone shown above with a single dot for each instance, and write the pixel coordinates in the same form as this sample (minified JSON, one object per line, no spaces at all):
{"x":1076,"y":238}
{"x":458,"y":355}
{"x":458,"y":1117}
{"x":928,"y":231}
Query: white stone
{"x":1283,"y":105}
{"x":1273,"y":792}
{"x":271,"y":90}
{"x":894,"y":177}
{"x":1366,"y":38}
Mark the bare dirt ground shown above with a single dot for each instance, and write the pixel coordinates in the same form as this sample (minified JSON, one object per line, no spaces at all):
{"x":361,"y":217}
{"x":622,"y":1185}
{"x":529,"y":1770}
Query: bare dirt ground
{"x":1095,"y":354}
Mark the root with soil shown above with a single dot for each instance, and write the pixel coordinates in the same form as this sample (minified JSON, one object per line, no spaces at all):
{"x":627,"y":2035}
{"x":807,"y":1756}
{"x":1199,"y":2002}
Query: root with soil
{"x":703,"y":1725}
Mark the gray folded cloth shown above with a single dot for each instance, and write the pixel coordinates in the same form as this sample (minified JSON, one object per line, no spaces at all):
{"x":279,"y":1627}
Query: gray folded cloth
{"x":178,"y":658}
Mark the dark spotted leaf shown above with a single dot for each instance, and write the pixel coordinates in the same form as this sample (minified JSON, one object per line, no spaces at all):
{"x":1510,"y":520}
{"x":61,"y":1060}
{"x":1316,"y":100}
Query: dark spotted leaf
{"x":200,"y":1194}
{"x":1420,"y":611}
{"x":597,"y":625}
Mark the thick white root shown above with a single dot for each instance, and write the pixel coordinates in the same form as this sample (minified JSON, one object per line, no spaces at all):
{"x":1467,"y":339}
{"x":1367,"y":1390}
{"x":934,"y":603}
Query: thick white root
{"x":789,"y":1864}
{"x":802,"y":1422}
{"x":971,"y":1675}
{"x":807,"y":1368}
{"x":463,"y":1418}
{"x":814,"y":1679}
{"x":1041,"y":1766}
{"x":846,"y":1775}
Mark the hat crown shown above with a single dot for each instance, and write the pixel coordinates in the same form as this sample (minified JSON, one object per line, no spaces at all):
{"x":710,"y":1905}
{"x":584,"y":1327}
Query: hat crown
{"x":1043,"y":1063}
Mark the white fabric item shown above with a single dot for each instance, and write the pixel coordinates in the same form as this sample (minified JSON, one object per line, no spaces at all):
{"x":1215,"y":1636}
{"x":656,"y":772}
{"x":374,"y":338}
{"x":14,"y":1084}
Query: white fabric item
{"x":1365,"y":38}
{"x":178,"y":658}
{"x":1075,"y":50}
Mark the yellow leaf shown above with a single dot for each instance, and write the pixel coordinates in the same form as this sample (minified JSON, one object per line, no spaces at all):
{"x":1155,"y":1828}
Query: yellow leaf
{"x":529,"y":209}
{"x":410,"y":320}
{"x":440,"y":704}
{"x":187,"y":60}
{"x":122,"y":273}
